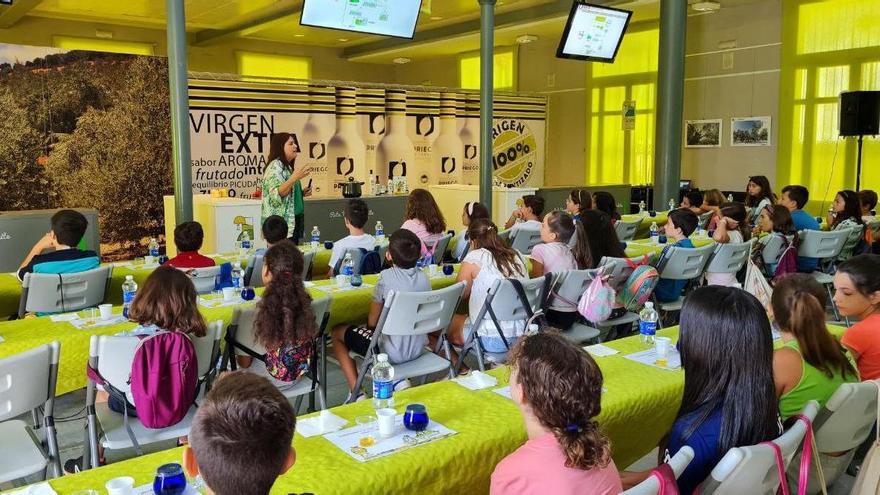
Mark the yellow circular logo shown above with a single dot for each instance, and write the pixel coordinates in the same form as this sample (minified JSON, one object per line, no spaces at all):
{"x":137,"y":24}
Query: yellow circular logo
{"x":514,"y":152}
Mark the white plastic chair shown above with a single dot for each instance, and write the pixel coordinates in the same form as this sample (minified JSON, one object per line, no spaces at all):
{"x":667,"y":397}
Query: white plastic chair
{"x":525,"y":239}
{"x":678,"y":463}
{"x":253,"y":275}
{"x":112,"y":357}
{"x":204,"y":279}
{"x":505,"y":303}
{"x":774,"y":247}
{"x":729,"y":258}
{"x":753,"y":469}
{"x":308,"y":261}
{"x":704,"y":219}
{"x":823,"y":246}
{"x":856,"y":234}
{"x":680,"y":263}
{"x":439,"y":248}
{"x":626,"y":231}
{"x":28,"y":382}
{"x":570,"y":286}
{"x":241,"y":331}
{"x":54,"y":293}
{"x":411,"y":314}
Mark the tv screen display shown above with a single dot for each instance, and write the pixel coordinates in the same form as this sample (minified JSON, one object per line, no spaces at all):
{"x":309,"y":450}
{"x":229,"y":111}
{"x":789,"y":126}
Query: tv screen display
{"x":395,"y":18}
{"x":593,"y":32}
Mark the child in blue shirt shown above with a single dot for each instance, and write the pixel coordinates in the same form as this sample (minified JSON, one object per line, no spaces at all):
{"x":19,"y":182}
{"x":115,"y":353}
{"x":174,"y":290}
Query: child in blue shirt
{"x":679,"y":226}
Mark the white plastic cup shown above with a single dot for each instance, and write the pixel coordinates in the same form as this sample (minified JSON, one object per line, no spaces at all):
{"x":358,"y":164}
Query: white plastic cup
{"x":228,"y":293}
{"x":324,"y":419}
{"x":120,"y":486}
{"x":106,"y":311}
{"x":432,"y":270}
{"x":661,"y":346}
{"x":386,"y":419}
{"x":341,"y":281}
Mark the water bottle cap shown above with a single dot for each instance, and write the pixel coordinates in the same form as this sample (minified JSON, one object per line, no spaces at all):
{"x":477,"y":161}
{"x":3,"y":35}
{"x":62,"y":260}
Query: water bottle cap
{"x":382,"y":358}
{"x":649,"y":305}
{"x":237,"y":264}
{"x":129,"y":277}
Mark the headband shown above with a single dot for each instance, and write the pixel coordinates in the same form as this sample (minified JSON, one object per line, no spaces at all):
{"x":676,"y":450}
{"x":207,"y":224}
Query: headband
{"x":470,"y":207}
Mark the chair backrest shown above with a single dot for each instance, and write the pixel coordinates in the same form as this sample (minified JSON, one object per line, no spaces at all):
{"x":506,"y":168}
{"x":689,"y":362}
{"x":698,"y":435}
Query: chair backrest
{"x":822,"y":245}
{"x":525,"y":239}
{"x":254,"y":274}
{"x":308,"y":259}
{"x":774,"y":247}
{"x":874,"y":225}
{"x":704,"y":219}
{"x":847,"y":418}
{"x":418,"y":313}
{"x":626,"y":231}
{"x":618,"y":270}
{"x":730,"y":257}
{"x":856,"y":234}
{"x":28,"y":380}
{"x":505,"y":301}
{"x":243,"y":323}
{"x":753,"y":469}
{"x":678,"y":463}
{"x":204,"y":279}
{"x":683,"y":263}
{"x":439,"y":248}
{"x":54,"y":293}
{"x":572,"y":284}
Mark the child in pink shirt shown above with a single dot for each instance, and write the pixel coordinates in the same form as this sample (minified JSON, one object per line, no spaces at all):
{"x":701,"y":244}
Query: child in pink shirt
{"x":424,"y":219}
{"x":554,"y":255}
{"x":566,"y":453}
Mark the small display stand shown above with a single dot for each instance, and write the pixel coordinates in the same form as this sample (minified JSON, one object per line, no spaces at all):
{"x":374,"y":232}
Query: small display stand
{"x":224,"y":220}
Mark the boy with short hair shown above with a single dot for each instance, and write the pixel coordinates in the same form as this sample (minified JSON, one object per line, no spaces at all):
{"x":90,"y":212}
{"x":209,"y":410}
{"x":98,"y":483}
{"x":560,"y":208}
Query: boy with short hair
{"x":188,"y":238}
{"x":241,"y":437}
{"x":68,"y":228}
{"x":404,"y":250}
{"x":274,"y":231}
{"x":356,"y":214}
{"x":679,"y":226}
{"x":794,"y":198}
{"x":528,"y":215}
{"x":868,"y":199}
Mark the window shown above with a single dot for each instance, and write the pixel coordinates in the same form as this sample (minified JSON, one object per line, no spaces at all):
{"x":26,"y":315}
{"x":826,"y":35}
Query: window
{"x":101,"y":45}
{"x":613,"y":154}
{"x":828,"y":46}
{"x":503,"y":72}
{"x":263,"y":65}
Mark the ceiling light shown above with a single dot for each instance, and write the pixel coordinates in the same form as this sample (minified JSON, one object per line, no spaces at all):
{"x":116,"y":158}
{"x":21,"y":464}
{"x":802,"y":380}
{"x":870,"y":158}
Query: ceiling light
{"x":299,"y":35}
{"x":342,"y":39}
{"x":436,"y":18}
{"x":526,"y":38}
{"x":104,"y":35}
{"x":402,"y":60}
{"x":706,"y":6}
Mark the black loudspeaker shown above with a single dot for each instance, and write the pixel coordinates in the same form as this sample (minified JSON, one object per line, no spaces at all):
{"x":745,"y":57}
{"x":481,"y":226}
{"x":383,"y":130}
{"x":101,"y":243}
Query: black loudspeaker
{"x":859,"y":113}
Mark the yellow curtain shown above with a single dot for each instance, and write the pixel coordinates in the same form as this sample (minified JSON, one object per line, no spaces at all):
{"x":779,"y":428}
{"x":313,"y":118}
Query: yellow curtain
{"x":503,"y":71}
{"x":615,"y":155}
{"x":263,"y":65}
{"x":828,"y":46}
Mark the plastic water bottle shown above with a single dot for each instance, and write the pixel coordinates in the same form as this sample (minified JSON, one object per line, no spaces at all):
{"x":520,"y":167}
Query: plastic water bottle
{"x":245,"y":247}
{"x":129,"y":289}
{"x":316,"y":238}
{"x":730,"y":198}
{"x":671,"y":204}
{"x":237,"y":275}
{"x":154,"y":249}
{"x":655,"y":233}
{"x":383,"y":383}
{"x":380,"y":231}
{"x":642,"y":206}
{"x":648,"y":323}
{"x":347,"y":268}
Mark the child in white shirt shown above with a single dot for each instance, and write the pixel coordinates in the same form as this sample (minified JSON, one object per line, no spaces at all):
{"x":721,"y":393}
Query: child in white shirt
{"x":356,"y":214}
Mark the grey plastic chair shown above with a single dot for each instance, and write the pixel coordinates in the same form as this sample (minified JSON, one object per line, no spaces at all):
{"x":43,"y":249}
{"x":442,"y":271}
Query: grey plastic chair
{"x":626,"y":231}
{"x":774,"y":248}
{"x":112,"y":357}
{"x":524,"y":240}
{"x":204,"y":279}
{"x":874,"y":225}
{"x":54,"y":293}
{"x":842,"y":425}
{"x":308,"y":261}
{"x":242,"y":331}
{"x":253,"y":275}
{"x":568,"y":288}
{"x":506,"y":304}
{"x":28,"y":383}
{"x":753,"y":469}
{"x":410,"y":314}
{"x":823,"y":246}
{"x":680,"y":263}
{"x":729,"y":258}
{"x":856,"y":234}
{"x":678,"y":463}
{"x":442,"y":245}
{"x":705,"y":219}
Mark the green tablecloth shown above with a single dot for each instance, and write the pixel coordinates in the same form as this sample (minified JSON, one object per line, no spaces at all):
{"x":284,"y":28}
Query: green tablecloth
{"x":22,"y":335}
{"x":645,"y":227}
{"x":642,"y":247}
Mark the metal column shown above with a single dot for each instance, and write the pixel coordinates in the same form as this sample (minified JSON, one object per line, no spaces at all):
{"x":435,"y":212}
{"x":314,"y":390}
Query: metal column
{"x":487,"y":50}
{"x":670,"y":102}
{"x":179,"y":99}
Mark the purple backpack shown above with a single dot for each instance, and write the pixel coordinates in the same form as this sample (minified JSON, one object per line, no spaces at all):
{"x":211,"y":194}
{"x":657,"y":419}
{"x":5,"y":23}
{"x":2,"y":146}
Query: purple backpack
{"x":164,"y":376}
{"x":787,"y":261}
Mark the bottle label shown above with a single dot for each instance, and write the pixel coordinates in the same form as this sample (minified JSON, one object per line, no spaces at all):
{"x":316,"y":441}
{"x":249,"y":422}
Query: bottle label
{"x":316,"y":238}
{"x":245,"y":244}
{"x":154,"y":252}
{"x":128,"y":296}
{"x":347,"y":270}
{"x":236,"y":282}
{"x":382,"y":390}
{"x":647,"y":327}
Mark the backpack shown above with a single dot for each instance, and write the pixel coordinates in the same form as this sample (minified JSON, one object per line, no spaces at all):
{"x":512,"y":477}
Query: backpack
{"x":666,"y":479}
{"x":371,"y":262}
{"x":290,"y":361}
{"x":787,"y":263}
{"x":639,"y":285}
{"x":596,"y":303}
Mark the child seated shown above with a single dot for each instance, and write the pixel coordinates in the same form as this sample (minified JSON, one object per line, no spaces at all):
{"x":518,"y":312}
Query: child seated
{"x":566,"y":452}
{"x":188,"y":238}
{"x":471,"y":211}
{"x":868,"y":201}
{"x":356,"y":215}
{"x":527,"y":215}
{"x":857,"y":295}
{"x":680,"y":224}
{"x":554,"y":256}
{"x":693,"y":201}
{"x":68,"y":228}
{"x":404,"y":250}
{"x":733,"y":227}
{"x":274,"y":231}
{"x":242,"y":436}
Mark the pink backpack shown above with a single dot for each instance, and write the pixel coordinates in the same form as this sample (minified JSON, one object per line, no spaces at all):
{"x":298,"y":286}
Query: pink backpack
{"x":787,"y":261}
{"x":598,"y":301}
{"x":164,"y":376}
{"x":666,"y":479}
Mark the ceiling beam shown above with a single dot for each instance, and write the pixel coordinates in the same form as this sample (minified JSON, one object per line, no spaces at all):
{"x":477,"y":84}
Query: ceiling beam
{"x":11,"y":14}
{"x":249,"y":22}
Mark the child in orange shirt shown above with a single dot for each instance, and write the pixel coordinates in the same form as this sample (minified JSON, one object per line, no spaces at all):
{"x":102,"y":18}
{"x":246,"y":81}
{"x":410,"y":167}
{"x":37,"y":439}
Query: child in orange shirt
{"x":857,"y":293}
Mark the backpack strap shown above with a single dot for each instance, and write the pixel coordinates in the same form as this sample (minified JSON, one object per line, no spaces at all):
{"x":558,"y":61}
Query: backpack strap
{"x":231,"y":342}
{"x":780,"y":467}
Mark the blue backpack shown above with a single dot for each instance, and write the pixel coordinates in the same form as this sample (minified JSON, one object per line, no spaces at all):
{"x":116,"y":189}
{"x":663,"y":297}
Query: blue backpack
{"x":371,"y":262}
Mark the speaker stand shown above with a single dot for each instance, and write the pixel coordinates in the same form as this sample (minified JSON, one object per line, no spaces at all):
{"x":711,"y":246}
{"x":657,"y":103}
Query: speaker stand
{"x":859,"y":164}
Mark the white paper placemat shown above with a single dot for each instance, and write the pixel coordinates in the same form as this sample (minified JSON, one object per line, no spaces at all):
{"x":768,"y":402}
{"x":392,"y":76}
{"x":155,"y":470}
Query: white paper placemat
{"x":336,"y":288}
{"x":600,"y":350}
{"x":64,"y":317}
{"x":87,"y":323}
{"x":649,"y":357}
{"x":504,"y":392}
{"x":476,"y":380}
{"x":348,"y":440}
{"x":325,"y":422}
{"x":37,"y":489}
{"x":220,"y":303}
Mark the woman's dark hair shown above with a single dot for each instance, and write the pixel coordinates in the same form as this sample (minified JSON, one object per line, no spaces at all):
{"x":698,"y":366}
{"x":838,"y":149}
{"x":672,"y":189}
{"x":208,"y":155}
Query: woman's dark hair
{"x":606,"y":203}
{"x":284,"y":314}
{"x":582,"y":198}
{"x":766,"y":191}
{"x":562,"y":225}
{"x":475,"y":210}
{"x":563,"y":386}
{"x":276,"y":148}
{"x":421,"y":206}
{"x":168,"y":300}
{"x":737,"y":211}
{"x":852,"y":207}
{"x":484,"y":234}
{"x":596,"y":239}
{"x":798,"y":303}
{"x":864,"y":271}
{"x":715,"y":321}
{"x":868,"y":198}
{"x":695,"y":198}
{"x":536,"y":203}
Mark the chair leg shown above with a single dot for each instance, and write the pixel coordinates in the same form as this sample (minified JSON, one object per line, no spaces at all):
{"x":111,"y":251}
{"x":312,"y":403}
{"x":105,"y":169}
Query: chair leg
{"x":297,"y":402}
{"x":323,"y":372}
{"x":448,"y":351}
{"x":54,"y":454}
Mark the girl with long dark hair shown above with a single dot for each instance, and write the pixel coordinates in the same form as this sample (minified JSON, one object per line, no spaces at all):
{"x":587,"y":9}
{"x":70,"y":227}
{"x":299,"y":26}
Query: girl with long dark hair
{"x":732,"y":226}
{"x":423,"y":217}
{"x":595,"y":238}
{"x":282,"y":190}
{"x":759,"y":195}
{"x":606,"y":203}
{"x":857,"y":295}
{"x":776,"y":221}
{"x":472,"y":210}
{"x":577,"y":202}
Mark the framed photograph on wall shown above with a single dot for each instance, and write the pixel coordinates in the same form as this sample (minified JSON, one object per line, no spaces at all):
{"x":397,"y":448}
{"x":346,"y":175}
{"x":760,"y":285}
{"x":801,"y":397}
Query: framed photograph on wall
{"x":702,"y":133}
{"x":750,"y":131}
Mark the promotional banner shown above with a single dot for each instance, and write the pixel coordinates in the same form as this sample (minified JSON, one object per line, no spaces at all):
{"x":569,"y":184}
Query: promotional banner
{"x":361,"y":134}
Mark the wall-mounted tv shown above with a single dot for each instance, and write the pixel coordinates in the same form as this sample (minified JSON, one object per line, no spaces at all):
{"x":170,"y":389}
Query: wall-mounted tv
{"x":395,"y":18}
{"x":593,"y":32}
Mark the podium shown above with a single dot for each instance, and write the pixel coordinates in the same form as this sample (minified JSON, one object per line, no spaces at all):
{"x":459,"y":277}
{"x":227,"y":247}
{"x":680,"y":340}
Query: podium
{"x":224,"y":220}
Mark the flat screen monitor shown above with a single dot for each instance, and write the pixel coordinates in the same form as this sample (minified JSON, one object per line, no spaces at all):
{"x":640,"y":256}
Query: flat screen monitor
{"x":593,"y":32}
{"x":396,"y":18}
